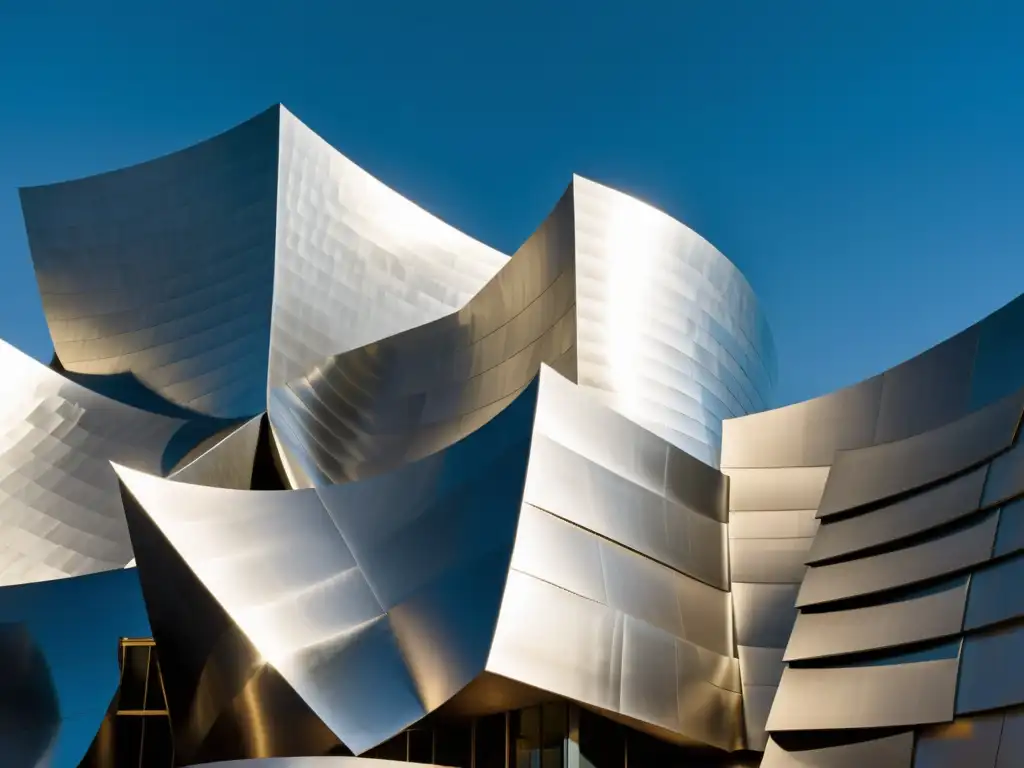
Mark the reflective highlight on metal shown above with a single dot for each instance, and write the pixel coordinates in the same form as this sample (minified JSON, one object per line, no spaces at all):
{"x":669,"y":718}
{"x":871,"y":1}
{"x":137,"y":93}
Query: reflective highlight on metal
{"x":901,"y":609}
{"x":392,"y":493}
{"x":445,"y":569}
{"x":670,"y":333}
{"x":355,"y":261}
{"x":609,"y":291}
{"x":60,"y":510}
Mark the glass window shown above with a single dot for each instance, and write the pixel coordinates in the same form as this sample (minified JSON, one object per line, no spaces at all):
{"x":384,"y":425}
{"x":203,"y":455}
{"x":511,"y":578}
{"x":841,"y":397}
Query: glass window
{"x":601,"y":742}
{"x":490,"y":744}
{"x":526,"y":741}
{"x":421,"y":745}
{"x":453,"y":744}
{"x":554,"y":731}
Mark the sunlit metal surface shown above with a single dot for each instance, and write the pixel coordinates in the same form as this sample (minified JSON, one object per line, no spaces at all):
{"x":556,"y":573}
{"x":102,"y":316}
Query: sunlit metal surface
{"x":238,"y":262}
{"x":60,"y":509}
{"x":646,"y":314}
{"x":914,"y":479}
{"x":670,"y":332}
{"x":413,"y":588}
{"x":356,"y":261}
{"x":418,"y":586}
{"x":29,"y":711}
{"x":373,"y":409}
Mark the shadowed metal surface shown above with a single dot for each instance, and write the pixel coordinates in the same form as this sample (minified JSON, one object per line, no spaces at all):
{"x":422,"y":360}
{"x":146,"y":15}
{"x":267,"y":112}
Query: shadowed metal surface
{"x":166,"y":269}
{"x":60,"y":510}
{"x":29,"y":712}
{"x":226,"y":464}
{"x":884,"y":752}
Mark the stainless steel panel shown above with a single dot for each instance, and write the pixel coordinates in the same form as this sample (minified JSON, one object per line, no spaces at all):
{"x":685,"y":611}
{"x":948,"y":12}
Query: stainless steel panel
{"x":952,"y":552}
{"x":666,"y":599}
{"x":805,"y":434}
{"x":60,"y":508}
{"x":991,"y":674}
{"x":757,"y":704}
{"x":787,"y":524}
{"x":1010,"y":536}
{"x":578,"y":421}
{"x":570,"y":646}
{"x":784,"y":488}
{"x":413,"y":589}
{"x":552,"y":550}
{"x":970,"y":742}
{"x":228,"y":463}
{"x":355,"y":261}
{"x":897,"y":521}
{"x":30,"y":715}
{"x":887,"y":696}
{"x":884,"y":752}
{"x":764,"y":613}
{"x":929,"y":390}
{"x":1005,"y":477}
{"x":769,"y":561}
{"x":934,"y":615}
{"x":669,"y":329}
{"x":570,"y":486}
{"x":166,"y":269}
{"x":374,"y":408}
{"x":995,"y":594}
{"x":872,"y":474}
{"x":552,"y":640}
{"x":760,"y":666}
{"x":1011,"y":742}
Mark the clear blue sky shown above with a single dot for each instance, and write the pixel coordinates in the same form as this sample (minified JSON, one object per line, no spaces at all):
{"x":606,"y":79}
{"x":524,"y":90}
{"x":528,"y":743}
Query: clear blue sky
{"x":862,"y":162}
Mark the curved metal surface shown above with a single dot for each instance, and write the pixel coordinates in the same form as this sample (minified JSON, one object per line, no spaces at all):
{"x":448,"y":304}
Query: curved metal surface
{"x":968,"y":546}
{"x":76,"y":623}
{"x":886,"y":696}
{"x":413,"y":589}
{"x":936,"y":614}
{"x":166,"y":269}
{"x":410,"y":395}
{"x":356,"y":261}
{"x":991,"y":676}
{"x":922,"y":447}
{"x":228,"y":463}
{"x":670,"y":332}
{"x":879,"y":752}
{"x":895,"y":522}
{"x":29,"y":711}
{"x":60,"y":509}
{"x":866,"y":475}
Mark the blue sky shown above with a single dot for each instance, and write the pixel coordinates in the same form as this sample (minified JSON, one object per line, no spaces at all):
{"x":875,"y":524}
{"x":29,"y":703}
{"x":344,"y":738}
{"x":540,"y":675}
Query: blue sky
{"x":861,"y":162}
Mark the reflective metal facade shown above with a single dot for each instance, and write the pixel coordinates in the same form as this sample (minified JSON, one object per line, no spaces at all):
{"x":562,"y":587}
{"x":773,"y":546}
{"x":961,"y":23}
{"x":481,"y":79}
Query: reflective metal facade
{"x":391,"y":493}
{"x":879,"y":523}
{"x":474,"y":564}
